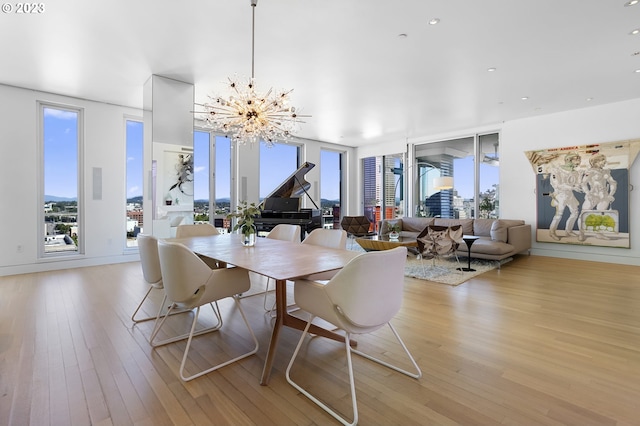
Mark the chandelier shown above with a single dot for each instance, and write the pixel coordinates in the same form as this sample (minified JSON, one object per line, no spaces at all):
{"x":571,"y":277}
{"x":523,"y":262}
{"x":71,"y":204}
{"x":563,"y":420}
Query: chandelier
{"x":248,"y":115}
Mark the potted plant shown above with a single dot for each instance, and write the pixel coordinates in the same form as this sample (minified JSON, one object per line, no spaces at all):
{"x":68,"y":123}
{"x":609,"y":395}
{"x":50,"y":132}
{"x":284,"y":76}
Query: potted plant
{"x":394,"y":231}
{"x":245,"y":215}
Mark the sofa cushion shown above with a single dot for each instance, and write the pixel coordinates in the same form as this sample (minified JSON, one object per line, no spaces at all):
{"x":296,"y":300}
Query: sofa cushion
{"x":467,"y":224}
{"x":486,"y":245}
{"x":500,"y":229}
{"x":416,"y":224}
{"x":482,"y":227}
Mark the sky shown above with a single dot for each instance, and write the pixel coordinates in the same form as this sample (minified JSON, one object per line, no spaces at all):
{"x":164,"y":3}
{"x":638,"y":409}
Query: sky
{"x":463,"y":177}
{"x":60,"y":152}
{"x":135,"y":152}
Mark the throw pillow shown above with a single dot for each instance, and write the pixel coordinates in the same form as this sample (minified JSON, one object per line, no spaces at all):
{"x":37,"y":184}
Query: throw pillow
{"x":499,"y":231}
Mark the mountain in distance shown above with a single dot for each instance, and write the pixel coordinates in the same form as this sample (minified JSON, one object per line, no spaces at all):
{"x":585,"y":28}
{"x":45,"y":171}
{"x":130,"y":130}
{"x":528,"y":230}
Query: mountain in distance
{"x":48,"y":198}
{"x":137,"y":199}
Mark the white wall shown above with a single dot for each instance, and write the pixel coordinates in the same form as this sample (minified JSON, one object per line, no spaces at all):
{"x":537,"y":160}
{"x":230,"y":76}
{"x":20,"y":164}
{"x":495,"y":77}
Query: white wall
{"x":608,"y":123}
{"x":104,"y":148}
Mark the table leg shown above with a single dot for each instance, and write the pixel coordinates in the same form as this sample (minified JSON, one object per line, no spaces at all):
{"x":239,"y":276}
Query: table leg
{"x":281,"y":309}
{"x":468,"y":268}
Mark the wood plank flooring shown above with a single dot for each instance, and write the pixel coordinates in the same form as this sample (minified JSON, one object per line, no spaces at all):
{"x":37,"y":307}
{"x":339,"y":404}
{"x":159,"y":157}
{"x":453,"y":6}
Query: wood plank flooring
{"x":542,"y":341}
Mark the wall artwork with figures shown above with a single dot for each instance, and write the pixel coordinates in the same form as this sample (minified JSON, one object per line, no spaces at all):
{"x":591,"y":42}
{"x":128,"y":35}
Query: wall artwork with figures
{"x":583,"y":193}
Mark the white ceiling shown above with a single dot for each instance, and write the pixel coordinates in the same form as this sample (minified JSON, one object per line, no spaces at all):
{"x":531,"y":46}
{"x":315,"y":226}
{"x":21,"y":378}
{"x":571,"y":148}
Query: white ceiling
{"x":351,"y":70}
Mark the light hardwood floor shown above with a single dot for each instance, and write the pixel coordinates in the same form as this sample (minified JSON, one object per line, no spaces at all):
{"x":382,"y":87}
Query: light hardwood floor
{"x":542,"y":341}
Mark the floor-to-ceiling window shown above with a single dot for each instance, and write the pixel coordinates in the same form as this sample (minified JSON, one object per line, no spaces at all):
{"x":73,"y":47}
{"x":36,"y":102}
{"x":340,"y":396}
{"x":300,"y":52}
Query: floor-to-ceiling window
{"x":330,"y":186}
{"x":212,"y":178}
{"x":221,"y":181}
{"x":370,"y":189}
{"x":383,"y":187}
{"x":201,"y":176}
{"x":489,"y":194}
{"x":60,"y":183}
{"x":472,"y":189}
{"x":134,"y":172}
{"x":393,"y":176}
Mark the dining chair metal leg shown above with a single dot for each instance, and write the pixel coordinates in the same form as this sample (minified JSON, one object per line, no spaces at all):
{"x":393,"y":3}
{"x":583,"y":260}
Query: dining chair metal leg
{"x":160,"y":320}
{"x":137,"y":320}
{"x":215,"y":367}
{"x":352,"y":387}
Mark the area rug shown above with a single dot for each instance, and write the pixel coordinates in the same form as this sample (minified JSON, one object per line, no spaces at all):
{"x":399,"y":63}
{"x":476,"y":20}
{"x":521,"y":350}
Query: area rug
{"x":444,"y":271}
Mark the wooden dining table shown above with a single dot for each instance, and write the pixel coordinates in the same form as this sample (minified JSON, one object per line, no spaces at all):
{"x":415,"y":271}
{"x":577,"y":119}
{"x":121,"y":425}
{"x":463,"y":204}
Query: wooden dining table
{"x":281,"y":261}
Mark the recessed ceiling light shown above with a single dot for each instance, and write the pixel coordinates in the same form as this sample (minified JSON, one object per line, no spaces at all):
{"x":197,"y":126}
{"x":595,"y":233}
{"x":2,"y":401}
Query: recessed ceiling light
{"x":491,"y":69}
{"x":635,"y":32}
{"x":637,"y":71}
{"x":631,"y":3}
{"x":524,"y":98}
{"x":434,"y":21}
{"x":589,"y":99}
{"x":402,"y":35}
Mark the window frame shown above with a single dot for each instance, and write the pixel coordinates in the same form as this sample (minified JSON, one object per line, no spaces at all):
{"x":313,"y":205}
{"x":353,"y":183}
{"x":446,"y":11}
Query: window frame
{"x":475,"y":139}
{"x":213,"y":174}
{"x":125,"y":121}
{"x":341,"y":190}
{"x":80,"y":252}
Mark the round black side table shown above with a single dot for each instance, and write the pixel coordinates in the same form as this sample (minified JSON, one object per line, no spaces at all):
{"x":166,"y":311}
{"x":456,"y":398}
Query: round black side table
{"x":469,"y":240}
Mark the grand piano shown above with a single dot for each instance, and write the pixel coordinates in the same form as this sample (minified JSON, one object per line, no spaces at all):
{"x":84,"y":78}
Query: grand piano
{"x":282,"y":205}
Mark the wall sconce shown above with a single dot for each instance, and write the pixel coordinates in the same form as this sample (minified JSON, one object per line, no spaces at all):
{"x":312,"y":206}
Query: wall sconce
{"x":443,"y":182}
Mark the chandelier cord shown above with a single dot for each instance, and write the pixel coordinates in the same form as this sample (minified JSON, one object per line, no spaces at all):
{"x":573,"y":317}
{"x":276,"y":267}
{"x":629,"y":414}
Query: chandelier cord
{"x":254,"y":3}
{"x":248,"y":115}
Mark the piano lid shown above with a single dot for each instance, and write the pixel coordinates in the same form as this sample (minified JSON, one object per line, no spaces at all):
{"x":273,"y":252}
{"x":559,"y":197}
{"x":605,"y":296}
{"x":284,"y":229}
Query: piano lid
{"x":295,"y":185}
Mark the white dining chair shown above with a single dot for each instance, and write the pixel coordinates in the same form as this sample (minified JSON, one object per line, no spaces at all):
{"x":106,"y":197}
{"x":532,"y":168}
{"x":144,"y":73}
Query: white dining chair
{"x":330,"y":238}
{"x":189,"y":283}
{"x":200,"y":230}
{"x":150,"y":263}
{"x":361,"y":298}
{"x":282,"y":232}
{"x":196,"y":230}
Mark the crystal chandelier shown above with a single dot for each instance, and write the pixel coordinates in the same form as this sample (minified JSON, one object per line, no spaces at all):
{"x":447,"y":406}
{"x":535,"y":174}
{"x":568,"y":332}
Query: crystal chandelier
{"x":249,"y":116}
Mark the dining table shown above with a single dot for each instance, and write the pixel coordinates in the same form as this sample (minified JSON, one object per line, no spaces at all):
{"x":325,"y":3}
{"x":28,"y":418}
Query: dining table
{"x":280,"y":260}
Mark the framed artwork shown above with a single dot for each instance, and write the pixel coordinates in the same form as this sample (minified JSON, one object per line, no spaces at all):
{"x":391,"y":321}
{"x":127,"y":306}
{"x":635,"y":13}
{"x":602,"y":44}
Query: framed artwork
{"x":582,"y":193}
{"x":178,"y":178}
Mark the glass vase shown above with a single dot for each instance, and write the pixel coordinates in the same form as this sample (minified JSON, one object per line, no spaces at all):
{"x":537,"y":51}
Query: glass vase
{"x":249,"y":234}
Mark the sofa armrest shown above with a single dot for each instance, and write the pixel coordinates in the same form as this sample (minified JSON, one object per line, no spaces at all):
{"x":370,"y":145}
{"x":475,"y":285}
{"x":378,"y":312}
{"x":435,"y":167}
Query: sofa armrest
{"x":519,"y":236}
